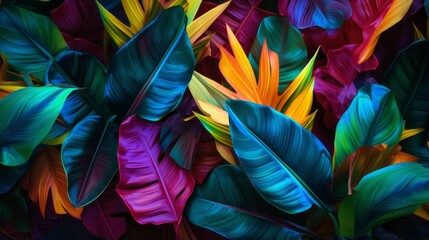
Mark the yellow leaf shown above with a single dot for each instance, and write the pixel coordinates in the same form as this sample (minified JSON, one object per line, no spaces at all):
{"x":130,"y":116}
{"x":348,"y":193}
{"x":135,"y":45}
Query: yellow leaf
{"x":197,"y":27}
{"x":12,"y":86}
{"x":417,"y":34}
{"x":56,"y":141}
{"x":216,"y":114}
{"x":266,"y":84}
{"x":192,"y":9}
{"x":411,"y":132}
{"x":151,"y":9}
{"x":135,"y":14}
{"x":423,"y":212}
{"x":308,"y":121}
{"x":226,"y":153}
{"x":401,"y":157}
{"x":301,"y":105}
{"x":219,"y":132}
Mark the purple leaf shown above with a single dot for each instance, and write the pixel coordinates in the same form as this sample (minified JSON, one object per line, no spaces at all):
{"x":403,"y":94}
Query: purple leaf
{"x":105,"y":217}
{"x":309,"y":13}
{"x":152,"y":185}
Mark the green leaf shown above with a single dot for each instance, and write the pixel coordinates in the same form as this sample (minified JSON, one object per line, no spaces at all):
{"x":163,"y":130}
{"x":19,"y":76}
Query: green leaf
{"x":27,"y":117}
{"x":227,"y":203}
{"x":286,"y":163}
{"x":13,"y":209}
{"x":287,"y":42}
{"x":28,"y":40}
{"x":408,"y":78}
{"x":391,"y":192}
{"x":89,"y":158}
{"x":372,"y":118}
{"x":149,"y":74}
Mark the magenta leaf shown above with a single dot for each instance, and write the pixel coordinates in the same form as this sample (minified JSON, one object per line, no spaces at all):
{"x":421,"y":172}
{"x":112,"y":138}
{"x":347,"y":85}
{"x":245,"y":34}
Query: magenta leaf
{"x":152,"y":185}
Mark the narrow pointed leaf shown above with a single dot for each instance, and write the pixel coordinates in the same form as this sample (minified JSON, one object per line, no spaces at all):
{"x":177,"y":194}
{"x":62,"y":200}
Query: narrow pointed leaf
{"x":31,"y":113}
{"x":28,"y":40}
{"x":149,"y":75}
{"x":372,"y":118}
{"x":287,"y":164}
{"x":152,"y":185}
{"x":287,"y":42}
{"x":409,"y":81}
{"x":89,"y":158}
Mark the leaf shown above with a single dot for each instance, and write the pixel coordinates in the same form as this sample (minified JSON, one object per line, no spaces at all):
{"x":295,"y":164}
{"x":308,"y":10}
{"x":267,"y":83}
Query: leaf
{"x":391,"y":192}
{"x":13,"y":209}
{"x":47,"y":175}
{"x":149,"y":75}
{"x":287,"y":42}
{"x":372,"y":118}
{"x":227,"y":204}
{"x":105,"y":216}
{"x":409,"y":81}
{"x":83,"y":71}
{"x":31,"y":113}
{"x":28,"y":40}
{"x":11,"y":175}
{"x":287,"y":164}
{"x":325,"y":14}
{"x":89,"y":158}
{"x":152,"y":185}
{"x":67,"y":227}
{"x":42,"y":7}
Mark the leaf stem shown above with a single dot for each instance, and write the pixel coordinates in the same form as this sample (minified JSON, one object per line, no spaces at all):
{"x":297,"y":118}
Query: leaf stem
{"x":335,"y":221}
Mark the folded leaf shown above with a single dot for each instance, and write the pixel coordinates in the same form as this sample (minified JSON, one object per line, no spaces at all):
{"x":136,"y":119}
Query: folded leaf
{"x":227,"y":204}
{"x":287,"y":42}
{"x":325,"y":14}
{"x":28,"y":40}
{"x":149,"y":75}
{"x":287,"y":164}
{"x":372,"y":118}
{"x":409,"y":81}
{"x":152,"y":185}
{"x":391,"y":192}
{"x":31,"y":112}
{"x":89,"y":158}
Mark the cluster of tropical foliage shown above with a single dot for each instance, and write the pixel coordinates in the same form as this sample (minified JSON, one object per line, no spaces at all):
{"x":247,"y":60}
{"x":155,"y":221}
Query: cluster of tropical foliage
{"x":191,"y":119}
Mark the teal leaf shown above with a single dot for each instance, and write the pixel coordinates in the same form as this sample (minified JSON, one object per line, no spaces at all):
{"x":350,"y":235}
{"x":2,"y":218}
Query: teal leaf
{"x":14,"y":210}
{"x":89,"y":158}
{"x":28,"y":40}
{"x":372,"y":118}
{"x":227,"y":203}
{"x":287,"y":42}
{"x":286,"y":163}
{"x":27,"y":117}
{"x":391,"y":192}
{"x":408,"y":78}
{"x":85,"y":72}
{"x":149,"y":75}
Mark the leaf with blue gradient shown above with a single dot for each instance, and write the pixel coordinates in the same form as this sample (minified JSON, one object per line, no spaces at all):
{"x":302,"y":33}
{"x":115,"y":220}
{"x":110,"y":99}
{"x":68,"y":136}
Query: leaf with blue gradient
{"x":28,"y":40}
{"x":227,"y":203}
{"x":286,"y":163}
{"x":85,"y":72}
{"x":372,"y":118}
{"x":149,"y":75}
{"x":287,"y":42}
{"x":89,"y":158}
{"x":27,"y":117}
{"x":11,"y":175}
{"x":408,"y":78}
{"x":310,"y":13}
{"x":391,"y":192}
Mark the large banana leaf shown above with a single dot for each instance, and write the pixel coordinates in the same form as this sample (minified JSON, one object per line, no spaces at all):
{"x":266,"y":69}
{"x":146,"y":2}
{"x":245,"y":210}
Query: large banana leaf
{"x":85,"y":72}
{"x":408,"y":78}
{"x":28,"y":40}
{"x":372,"y":118}
{"x":227,"y":204}
{"x":286,"y":163}
{"x":149,"y":74}
{"x":89,"y":158}
{"x":152,"y":185}
{"x":27,"y":116}
{"x":383,"y":195}
{"x":287,"y":42}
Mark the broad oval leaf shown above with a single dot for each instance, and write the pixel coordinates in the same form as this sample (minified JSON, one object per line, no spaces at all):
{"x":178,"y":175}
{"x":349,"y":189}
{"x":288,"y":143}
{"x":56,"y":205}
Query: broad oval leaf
{"x":310,"y":13}
{"x":227,"y":204}
{"x":89,"y":158}
{"x":408,"y":78}
{"x":372,"y":118}
{"x":287,"y":42}
{"x":149,"y":75}
{"x":83,"y":71}
{"x":391,"y":192}
{"x":152,"y":185}
{"x":31,"y":112}
{"x":28,"y":40}
{"x":286,"y":163}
